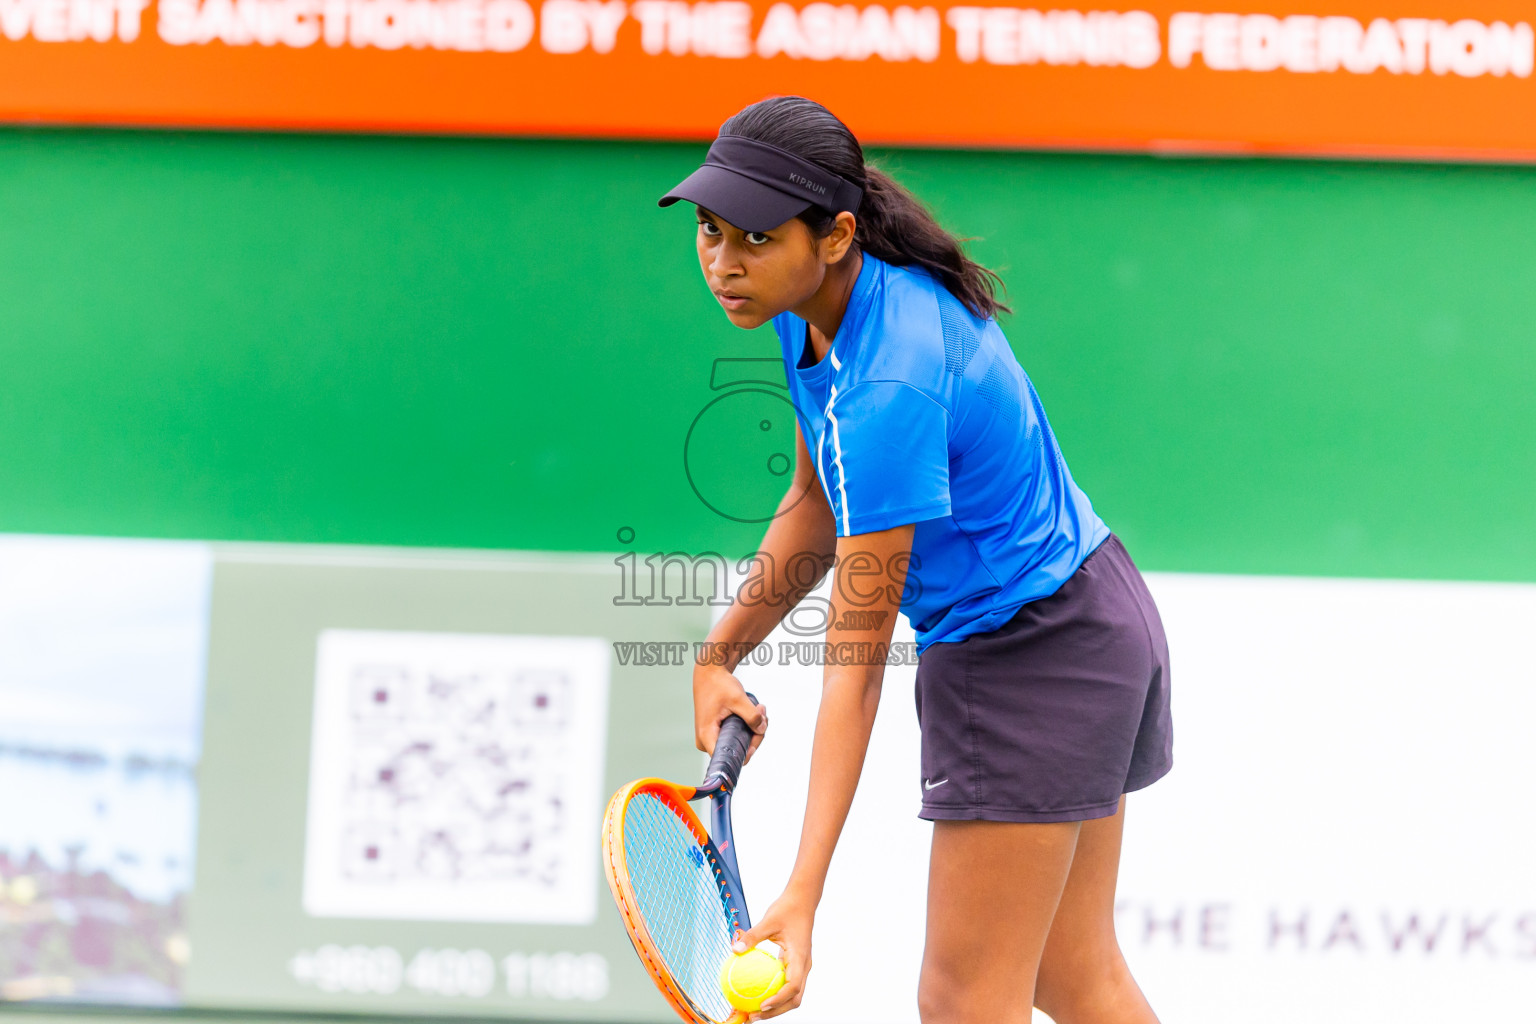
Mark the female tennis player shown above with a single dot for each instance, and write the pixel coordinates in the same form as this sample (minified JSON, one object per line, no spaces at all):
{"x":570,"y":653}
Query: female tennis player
{"x":929,"y":481}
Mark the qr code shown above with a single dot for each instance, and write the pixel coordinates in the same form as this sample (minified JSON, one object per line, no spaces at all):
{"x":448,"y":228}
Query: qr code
{"x":456,"y":777}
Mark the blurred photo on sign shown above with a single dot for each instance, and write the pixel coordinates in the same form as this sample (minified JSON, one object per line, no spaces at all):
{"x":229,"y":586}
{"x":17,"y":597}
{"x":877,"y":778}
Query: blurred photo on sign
{"x":101,"y":679}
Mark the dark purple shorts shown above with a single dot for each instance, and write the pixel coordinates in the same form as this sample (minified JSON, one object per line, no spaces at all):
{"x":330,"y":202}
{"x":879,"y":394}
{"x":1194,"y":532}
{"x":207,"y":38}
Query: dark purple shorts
{"x":1057,"y":713}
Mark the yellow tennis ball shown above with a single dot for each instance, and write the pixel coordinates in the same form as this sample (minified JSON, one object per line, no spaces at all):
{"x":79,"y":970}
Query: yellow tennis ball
{"x":749,"y":978}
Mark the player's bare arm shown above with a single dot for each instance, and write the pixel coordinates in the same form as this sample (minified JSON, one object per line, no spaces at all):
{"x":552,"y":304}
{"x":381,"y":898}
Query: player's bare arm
{"x":796,"y":553}
{"x":871,"y":573}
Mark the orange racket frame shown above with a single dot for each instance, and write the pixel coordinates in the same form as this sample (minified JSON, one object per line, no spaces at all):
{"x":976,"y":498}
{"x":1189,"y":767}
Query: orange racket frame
{"x":717,"y":845}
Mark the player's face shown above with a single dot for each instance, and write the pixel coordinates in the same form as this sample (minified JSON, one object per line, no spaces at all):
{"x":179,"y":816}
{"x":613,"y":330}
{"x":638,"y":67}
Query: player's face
{"x":756,"y":275}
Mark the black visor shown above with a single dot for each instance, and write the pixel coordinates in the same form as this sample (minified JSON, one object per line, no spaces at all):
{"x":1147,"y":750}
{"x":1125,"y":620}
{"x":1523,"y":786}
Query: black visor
{"x":757,"y":187}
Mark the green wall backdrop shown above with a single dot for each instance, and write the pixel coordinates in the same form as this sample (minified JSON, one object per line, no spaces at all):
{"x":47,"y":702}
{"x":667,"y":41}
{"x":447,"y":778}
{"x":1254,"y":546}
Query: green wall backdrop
{"x":1253,"y":366}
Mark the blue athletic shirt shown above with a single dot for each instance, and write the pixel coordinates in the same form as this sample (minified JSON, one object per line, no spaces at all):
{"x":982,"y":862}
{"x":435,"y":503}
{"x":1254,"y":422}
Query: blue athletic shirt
{"x":920,"y":413}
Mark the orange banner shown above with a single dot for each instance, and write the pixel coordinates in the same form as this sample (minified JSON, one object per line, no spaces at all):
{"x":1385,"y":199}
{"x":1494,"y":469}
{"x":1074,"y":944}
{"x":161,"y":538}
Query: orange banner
{"x":1449,"y":80}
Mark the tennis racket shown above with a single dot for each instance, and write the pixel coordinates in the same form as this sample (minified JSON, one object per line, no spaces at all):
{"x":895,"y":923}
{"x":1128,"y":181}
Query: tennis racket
{"x":677,"y":886}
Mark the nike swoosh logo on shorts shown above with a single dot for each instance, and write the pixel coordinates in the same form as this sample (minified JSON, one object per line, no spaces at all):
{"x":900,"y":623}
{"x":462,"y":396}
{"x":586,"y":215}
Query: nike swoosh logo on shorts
{"x":933,"y":785}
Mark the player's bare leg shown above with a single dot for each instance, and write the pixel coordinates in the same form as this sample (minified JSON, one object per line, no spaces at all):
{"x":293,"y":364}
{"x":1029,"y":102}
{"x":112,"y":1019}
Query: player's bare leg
{"x":992,"y":891}
{"x":1083,"y":977}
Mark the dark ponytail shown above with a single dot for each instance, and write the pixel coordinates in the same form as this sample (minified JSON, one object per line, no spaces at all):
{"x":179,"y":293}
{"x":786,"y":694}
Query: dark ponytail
{"x":892,"y":224}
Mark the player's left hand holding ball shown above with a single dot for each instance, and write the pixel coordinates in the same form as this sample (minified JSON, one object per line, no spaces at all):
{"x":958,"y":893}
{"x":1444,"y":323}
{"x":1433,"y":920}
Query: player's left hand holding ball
{"x":787,"y":924}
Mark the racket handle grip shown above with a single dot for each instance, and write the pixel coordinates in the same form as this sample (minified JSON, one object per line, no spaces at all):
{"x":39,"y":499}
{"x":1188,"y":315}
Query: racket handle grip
{"x":730,"y":749}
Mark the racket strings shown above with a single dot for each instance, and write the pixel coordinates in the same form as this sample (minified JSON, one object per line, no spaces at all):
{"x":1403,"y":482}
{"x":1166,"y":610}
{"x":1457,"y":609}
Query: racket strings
{"x":681,"y":899}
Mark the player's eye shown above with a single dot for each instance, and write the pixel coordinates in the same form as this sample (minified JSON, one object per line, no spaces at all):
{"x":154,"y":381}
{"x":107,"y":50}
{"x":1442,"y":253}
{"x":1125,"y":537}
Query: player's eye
{"x":709,"y":229}
{"x":757,"y":238}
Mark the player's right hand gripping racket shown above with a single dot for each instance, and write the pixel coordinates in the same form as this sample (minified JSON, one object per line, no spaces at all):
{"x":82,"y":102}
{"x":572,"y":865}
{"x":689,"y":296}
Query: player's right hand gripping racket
{"x":678,"y":887}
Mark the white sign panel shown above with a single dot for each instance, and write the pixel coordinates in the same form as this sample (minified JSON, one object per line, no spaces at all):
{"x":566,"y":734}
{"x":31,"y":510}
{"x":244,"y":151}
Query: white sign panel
{"x":1347,"y":833}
